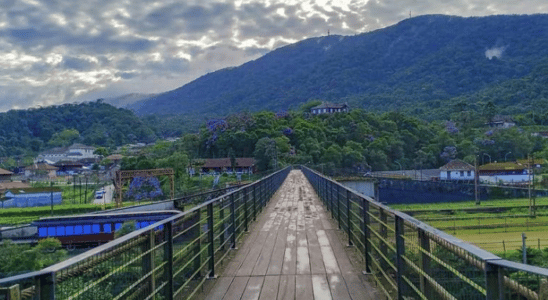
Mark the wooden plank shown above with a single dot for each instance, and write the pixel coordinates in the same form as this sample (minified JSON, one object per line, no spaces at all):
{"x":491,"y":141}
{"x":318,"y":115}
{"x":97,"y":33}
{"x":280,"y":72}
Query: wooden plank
{"x":287,"y":287}
{"x":236,"y":289}
{"x":277,"y":258}
{"x":270,"y":287}
{"x":251,"y":259}
{"x":290,"y":255}
{"x":221,"y":287}
{"x":338,"y":288}
{"x":303,"y":260}
{"x":320,"y":287}
{"x":261,"y":266}
{"x":253,"y":288}
{"x":303,"y":287}
{"x":340,"y":253}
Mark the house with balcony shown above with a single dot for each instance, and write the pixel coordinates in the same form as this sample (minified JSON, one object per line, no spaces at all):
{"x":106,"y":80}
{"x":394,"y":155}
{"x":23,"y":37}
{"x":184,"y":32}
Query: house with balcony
{"x":221,"y":165}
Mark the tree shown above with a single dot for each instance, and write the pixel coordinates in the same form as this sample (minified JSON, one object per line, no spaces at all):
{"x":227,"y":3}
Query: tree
{"x":64,"y":138}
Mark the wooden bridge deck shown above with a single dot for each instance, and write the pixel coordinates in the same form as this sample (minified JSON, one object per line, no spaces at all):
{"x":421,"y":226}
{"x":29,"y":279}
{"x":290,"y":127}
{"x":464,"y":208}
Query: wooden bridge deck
{"x":292,"y":252}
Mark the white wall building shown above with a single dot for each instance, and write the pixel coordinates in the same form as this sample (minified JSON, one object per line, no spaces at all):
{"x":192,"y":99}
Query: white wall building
{"x":457,"y":170}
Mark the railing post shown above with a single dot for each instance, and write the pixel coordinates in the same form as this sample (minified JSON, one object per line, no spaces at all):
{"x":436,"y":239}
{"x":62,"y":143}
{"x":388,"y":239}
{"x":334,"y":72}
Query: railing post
{"x":348,"y":218}
{"x":45,"y":286}
{"x":254,"y":203}
{"x":147,"y":260}
{"x":223,"y":224}
{"x":233,"y":222}
{"x":168,"y":258}
{"x":325,"y":192}
{"x":339,"y":210}
{"x":331,"y":197}
{"x":384,"y":235}
{"x":494,"y":282}
{"x":211,"y":240}
{"x":366,"y":234}
{"x":198,"y":246}
{"x":424,"y":264}
{"x":245,"y":191}
{"x":400,"y":251}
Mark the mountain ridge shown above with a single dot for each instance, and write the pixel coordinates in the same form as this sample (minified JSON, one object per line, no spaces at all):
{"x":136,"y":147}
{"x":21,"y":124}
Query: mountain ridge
{"x":416,"y":61}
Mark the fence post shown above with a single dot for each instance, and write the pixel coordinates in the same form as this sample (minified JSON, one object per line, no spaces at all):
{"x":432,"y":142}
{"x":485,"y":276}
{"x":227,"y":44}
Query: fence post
{"x":168,"y":257}
{"x":233,"y":221}
{"x":245,"y":209}
{"x":494,"y":282}
{"x":211,"y":240}
{"x":348,"y":218}
{"x":400,"y":251}
{"x":366,"y":234}
{"x":424,"y":263}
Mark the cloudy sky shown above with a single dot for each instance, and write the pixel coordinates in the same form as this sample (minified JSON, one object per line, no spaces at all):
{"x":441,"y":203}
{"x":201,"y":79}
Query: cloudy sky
{"x":57,"y":51}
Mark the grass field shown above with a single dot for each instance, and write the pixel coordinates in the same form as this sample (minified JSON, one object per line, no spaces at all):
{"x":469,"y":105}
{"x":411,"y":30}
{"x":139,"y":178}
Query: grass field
{"x":469,"y":204}
{"x":499,"y":233}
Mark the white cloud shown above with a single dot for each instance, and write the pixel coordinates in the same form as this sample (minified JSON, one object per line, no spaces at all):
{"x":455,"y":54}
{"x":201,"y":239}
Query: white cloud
{"x":52,"y":51}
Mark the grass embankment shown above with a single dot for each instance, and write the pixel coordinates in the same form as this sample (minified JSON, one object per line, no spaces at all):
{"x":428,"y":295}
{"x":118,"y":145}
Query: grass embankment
{"x":498,"y":232}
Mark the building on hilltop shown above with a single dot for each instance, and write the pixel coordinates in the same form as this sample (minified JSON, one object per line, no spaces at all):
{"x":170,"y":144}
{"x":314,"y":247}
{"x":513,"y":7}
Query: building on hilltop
{"x":329,"y":108}
{"x":457,"y":170}
{"x":501,"y":121}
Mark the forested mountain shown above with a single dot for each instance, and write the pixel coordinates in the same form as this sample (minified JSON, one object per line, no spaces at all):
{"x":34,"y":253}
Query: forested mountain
{"x":418,"y":64}
{"x":24,"y":132}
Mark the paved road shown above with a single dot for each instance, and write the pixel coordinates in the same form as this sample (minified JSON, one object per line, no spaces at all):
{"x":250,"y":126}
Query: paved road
{"x":292,"y":252}
{"x":107,"y":196}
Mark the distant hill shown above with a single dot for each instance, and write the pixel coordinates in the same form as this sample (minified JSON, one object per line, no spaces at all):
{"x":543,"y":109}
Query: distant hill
{"x":26,"y":132}
{"x":127,"y":100}
{"x":427,"y":62}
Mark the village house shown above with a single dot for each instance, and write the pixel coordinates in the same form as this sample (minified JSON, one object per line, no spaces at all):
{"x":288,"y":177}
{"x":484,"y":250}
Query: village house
{"x":73,"y":153}
{"x":221,"y":165}
{"x":41,"y":170}
{"x":505,"y":172}
{"x":329,"y":108}
{"x":5,"y":175}
{"x":457,"y":170}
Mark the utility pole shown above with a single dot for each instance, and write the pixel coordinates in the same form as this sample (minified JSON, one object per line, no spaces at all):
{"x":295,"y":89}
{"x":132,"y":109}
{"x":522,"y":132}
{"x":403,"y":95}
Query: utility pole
{"x":51,"y":197}
{"x":532,"y":199}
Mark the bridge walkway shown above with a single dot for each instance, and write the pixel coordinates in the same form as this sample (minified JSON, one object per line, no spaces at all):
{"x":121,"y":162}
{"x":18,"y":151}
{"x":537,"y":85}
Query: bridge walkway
{"x":293,"y":251}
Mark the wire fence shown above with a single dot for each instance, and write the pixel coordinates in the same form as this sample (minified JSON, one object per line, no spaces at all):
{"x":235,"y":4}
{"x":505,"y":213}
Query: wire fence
{"x":170,"y":259}
{"x":409,"y":259}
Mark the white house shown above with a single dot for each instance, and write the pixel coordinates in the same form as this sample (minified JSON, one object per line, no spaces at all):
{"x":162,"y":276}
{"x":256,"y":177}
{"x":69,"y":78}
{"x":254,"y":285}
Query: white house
{"x":457,"y":170}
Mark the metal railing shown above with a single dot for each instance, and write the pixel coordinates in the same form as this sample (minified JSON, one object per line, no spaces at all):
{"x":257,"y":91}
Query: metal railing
{"x":409,"y":259}
{"x":170,"y":259}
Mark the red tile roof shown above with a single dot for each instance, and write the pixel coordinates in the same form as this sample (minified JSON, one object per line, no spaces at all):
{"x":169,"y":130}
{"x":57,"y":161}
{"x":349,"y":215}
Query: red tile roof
{"x":457,"y":165}
{"x":244,"y":162}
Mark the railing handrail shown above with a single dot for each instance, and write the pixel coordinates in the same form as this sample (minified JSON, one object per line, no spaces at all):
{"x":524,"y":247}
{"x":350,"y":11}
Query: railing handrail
{"x":112,"y":244}
{"x":481,"y":254}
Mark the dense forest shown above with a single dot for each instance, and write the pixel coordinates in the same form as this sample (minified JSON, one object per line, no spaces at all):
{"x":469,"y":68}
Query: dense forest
{"x":418,"y":65}
{"x":358,"y":141}
{"x":26,"y":132}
